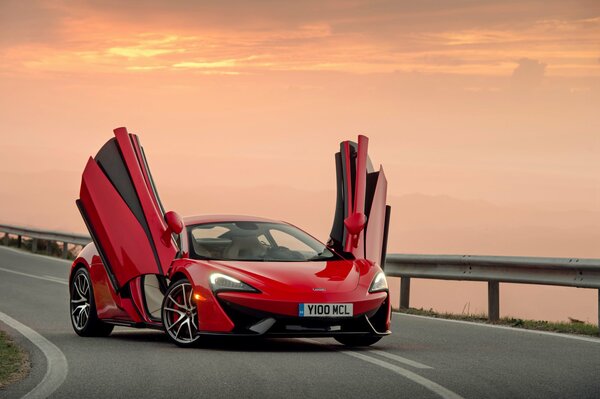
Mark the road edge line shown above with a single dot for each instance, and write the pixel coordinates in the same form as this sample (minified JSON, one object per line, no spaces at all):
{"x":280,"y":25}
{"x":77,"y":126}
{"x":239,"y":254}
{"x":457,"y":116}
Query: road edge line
{"x":517,"y":329}
{"x":47,"y":278}
{"x":57,"y":366}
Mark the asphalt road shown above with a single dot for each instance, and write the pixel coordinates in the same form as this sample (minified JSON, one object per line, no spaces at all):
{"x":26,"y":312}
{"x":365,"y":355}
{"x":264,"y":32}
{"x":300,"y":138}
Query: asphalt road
{"x":424,"y":358}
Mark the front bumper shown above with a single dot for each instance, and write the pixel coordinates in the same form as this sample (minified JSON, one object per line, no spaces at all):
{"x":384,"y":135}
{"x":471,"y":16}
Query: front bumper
{"x":253,"y":322}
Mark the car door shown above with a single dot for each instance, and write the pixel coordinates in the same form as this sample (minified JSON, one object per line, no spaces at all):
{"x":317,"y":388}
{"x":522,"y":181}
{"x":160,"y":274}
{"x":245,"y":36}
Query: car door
{"x":123,"y":213}
{"x":360,"y":191}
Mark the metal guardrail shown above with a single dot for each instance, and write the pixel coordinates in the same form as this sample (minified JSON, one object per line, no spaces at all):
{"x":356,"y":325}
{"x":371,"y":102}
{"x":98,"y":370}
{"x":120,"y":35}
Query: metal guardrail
{"x":46,"y":235}
{"x":566,"y":272}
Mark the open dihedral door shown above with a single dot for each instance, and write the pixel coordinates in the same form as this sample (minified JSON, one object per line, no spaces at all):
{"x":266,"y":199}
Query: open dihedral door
{"x":361,"y":201}
{"x":124,"y":216}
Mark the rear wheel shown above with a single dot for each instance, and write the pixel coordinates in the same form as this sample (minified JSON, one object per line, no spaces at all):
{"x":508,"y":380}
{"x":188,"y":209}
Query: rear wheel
{"x":84,"y":318}
{"x":180,"y":314}
{"x":357,"y":340}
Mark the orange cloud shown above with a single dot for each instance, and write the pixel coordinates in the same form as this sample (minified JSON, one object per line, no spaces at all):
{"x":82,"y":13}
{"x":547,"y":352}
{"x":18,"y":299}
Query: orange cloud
{"x":345,"y":37}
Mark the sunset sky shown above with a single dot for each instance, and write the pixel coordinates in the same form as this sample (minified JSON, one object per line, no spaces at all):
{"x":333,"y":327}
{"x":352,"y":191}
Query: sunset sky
{"x":485,"y":114}
{"x":489,"y":99}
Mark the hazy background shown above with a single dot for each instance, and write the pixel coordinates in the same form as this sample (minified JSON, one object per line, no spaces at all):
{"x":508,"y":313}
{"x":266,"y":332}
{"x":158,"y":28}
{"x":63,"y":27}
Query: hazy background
{"x":486,"y":116}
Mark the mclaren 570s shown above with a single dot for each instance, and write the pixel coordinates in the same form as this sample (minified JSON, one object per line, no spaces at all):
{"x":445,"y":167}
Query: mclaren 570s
{"x":228,"y":275}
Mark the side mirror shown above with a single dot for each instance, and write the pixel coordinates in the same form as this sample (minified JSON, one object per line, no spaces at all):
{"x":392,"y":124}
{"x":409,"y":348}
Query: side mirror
{"x":174,"y":222}
{"x":354,"y":223}
{"x":174,"y":226}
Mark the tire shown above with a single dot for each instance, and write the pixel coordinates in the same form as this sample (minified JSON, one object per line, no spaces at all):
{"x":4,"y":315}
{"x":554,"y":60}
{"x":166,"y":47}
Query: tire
{"x":84,"y":318}
{"x":357,"y":340}
{"x":179,"y":314}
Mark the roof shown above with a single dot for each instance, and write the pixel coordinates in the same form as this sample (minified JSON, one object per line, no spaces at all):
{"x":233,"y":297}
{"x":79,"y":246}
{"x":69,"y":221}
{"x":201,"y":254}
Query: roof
{"x":198,"y":219}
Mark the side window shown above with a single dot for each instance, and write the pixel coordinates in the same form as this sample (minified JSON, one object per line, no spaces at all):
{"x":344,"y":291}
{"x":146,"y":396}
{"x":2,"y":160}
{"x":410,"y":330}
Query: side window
{"x":207,"y":241}
{"x":283,"y":239}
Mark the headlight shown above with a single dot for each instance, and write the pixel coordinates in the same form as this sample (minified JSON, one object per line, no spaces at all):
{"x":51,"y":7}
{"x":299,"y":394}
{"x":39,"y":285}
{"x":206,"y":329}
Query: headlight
{"x":223,"y":282}
{"x":379,"y":283}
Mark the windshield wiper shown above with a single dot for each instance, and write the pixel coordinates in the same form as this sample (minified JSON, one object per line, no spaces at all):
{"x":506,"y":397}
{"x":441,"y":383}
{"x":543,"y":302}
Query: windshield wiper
{"x":318,"y":256}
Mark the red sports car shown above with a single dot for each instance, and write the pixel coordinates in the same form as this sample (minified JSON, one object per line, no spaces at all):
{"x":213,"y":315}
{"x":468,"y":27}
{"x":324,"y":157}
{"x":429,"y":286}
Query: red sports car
{"x":228,"y":275}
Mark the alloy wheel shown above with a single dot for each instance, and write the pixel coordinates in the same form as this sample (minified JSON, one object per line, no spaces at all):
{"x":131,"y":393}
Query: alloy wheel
{"x":80,"y":301}
{"x":180,"y":314}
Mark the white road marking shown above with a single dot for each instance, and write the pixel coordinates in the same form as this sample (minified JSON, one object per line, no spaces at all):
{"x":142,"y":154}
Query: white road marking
{"x":515,"y":329}
{"x":401,"y":359}
{"x":27,"y":253}
{"x":56,"y":279}
{"x":56,"y":362}
{"x":414,"y":377}
{"x":46,"y":278}
{"x":430,"y":385}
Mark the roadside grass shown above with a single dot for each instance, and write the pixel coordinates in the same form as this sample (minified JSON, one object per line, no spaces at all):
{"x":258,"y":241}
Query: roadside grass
{"x":14,"y":362}
{"x":572,"y":327}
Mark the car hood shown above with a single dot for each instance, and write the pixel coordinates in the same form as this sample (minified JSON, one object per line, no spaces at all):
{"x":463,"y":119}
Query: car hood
{"x":299,"y":277}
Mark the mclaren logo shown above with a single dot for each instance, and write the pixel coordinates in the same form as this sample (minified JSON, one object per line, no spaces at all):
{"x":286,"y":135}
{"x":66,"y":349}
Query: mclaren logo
{"x":319,"y":289}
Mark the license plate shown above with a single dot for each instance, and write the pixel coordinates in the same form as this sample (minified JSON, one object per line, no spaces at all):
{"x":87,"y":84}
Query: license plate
{"x":325,"y":310}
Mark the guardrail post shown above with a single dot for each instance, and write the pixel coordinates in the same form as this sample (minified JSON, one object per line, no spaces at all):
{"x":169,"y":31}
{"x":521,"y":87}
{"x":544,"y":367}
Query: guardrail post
{"x":19,"y":241}
{"x":404,"y":292}
{"x":6,"y":239}
{"x":34,"y":245}
{"x":493,"y":300}
{"x":65,"y":250}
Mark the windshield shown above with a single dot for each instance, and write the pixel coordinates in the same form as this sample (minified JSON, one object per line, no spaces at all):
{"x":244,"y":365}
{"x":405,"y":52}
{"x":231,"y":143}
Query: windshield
{"x":255,"y":241}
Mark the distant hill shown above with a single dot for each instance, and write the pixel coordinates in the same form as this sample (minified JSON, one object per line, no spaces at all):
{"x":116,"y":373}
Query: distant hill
{"x":420,"y":224}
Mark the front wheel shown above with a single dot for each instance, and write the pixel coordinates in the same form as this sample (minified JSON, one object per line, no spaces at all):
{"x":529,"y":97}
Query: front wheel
{"x":357,"y":340}
{"x":84,"y":318}
{"x":180,"y":314}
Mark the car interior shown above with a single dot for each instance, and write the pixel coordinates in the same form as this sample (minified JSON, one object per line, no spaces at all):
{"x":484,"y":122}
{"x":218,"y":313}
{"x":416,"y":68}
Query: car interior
{"x":252,"y":241}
